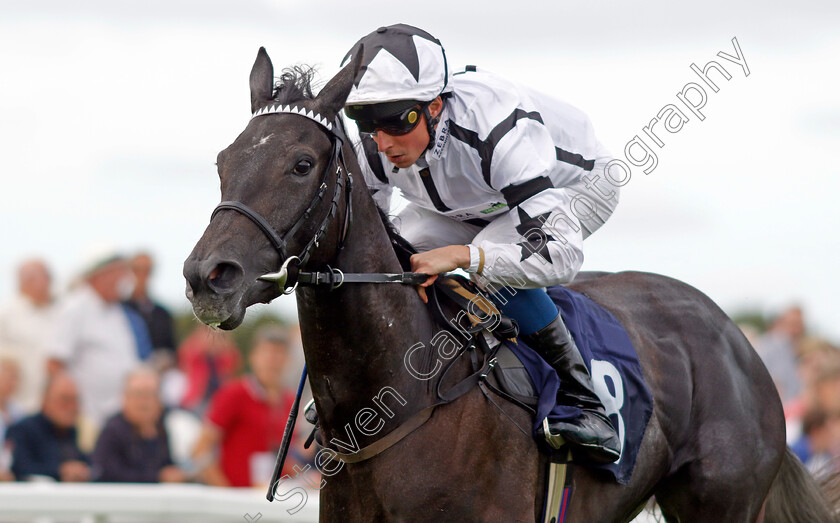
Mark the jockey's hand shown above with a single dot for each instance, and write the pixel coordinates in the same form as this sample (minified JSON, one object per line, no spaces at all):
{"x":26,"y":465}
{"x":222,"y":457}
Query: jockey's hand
{"x":437,"y":261}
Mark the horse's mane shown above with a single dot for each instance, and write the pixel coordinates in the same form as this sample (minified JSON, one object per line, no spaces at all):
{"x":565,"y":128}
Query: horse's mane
{"x":402,"y":247}
{"x":294,"y":85}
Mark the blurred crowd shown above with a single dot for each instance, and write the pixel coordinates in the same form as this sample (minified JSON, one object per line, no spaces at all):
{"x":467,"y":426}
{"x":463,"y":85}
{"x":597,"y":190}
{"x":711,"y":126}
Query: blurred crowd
{"x":806,"y":371}
{"x":94,"y":386}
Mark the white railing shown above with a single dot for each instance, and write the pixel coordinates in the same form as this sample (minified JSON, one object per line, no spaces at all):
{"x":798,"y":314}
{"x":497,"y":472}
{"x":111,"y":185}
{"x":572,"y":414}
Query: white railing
{"x":139,"y":503}
{"x":136,"y":503}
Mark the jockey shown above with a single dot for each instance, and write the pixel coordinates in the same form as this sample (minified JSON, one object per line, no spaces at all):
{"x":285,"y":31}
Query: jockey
{"x":502,"y":182}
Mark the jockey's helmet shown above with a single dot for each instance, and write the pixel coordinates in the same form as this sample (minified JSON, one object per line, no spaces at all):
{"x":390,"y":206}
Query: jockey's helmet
{"x":403,"y":69}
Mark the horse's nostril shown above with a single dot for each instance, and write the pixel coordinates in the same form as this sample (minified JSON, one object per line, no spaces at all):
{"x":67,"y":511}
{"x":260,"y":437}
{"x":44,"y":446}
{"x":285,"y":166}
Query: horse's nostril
{"x":224,"y":277}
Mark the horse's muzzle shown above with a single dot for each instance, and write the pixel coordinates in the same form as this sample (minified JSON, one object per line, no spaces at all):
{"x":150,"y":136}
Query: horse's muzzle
{"x":214,"y":287}
{"x":212,"y":275}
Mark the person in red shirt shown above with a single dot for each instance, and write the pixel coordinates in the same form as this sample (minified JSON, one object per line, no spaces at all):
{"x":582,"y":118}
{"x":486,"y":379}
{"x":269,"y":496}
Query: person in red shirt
{"x":246,"y":417}
{"x":208,"y":358}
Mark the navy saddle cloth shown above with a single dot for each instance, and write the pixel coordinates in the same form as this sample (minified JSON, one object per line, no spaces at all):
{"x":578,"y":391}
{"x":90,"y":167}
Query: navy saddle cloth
{"x":615,"y":370}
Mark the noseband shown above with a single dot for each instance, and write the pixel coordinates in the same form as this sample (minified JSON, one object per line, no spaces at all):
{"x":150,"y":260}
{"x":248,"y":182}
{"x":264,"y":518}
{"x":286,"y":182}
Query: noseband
{"x":289,"y":276}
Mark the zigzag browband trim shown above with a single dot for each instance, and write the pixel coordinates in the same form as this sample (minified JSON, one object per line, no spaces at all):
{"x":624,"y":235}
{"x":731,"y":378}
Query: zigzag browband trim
{"x":291,"y":109}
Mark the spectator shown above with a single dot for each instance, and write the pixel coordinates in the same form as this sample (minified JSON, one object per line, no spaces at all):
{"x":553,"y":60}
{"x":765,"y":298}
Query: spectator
{"x":173,"y":382}
{"x":44,"y":444}
{"x":97,"y":339}
{"x":208,"y":358}
{"x":6,"y":462}
{"x":247,"y":417}
{"x":133,"y":447}
{"x":827,"y":388}
{"x":157,"y":318}
{"x":25,"y":323}
{"x":10,"y":412}
{"x":777,"y":348}
{"x":816,"y":446}
{"x":813,"y":355}
{"x":826,"y":400}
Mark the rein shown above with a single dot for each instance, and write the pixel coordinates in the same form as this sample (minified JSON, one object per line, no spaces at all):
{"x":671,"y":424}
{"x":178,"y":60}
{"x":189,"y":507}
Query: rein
{"x":290,"y":276}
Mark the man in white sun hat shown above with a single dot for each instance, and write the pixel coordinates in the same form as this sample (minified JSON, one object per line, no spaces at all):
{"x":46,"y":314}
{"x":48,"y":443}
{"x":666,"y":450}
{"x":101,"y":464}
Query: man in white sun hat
{"x":95,"y":339}
{"x":502,"y":181}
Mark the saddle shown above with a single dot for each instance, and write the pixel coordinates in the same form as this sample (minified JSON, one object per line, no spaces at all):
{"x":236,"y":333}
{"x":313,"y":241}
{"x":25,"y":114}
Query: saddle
{"x":496,"y":370}
{"x":501,"y":366}
{"x":508,"y":377}
{"x":494,"y":365}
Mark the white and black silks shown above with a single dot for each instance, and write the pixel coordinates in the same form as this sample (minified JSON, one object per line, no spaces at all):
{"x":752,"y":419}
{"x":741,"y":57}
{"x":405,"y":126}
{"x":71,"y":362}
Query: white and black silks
{"x":516,"y":175}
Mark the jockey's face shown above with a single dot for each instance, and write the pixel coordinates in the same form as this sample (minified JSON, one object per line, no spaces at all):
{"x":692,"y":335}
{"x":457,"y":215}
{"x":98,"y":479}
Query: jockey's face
{"x":404,"y":150}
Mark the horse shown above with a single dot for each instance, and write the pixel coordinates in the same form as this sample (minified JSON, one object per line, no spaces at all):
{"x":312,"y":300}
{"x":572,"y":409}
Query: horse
{"x":714,"y":447}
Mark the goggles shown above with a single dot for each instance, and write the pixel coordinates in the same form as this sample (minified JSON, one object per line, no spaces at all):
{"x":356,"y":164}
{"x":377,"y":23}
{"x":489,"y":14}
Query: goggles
{"x":397,"y":125}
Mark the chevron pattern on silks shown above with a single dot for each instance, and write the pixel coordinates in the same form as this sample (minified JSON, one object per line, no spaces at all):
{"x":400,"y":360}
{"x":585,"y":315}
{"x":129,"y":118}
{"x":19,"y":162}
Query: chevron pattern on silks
{"x":291,"y":109}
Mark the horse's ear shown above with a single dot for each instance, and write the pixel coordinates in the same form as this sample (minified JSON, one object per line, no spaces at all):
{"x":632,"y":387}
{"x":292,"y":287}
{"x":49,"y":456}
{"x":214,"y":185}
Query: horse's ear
{"x":332,"y":97}
{"x":262,"y":80}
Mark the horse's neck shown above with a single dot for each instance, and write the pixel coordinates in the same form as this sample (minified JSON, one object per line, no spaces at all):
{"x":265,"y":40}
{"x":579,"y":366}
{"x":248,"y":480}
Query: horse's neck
{"x":355,"y":338}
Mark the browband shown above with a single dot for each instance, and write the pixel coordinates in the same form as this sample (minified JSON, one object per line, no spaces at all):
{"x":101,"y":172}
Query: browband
{"x":292,"y":109}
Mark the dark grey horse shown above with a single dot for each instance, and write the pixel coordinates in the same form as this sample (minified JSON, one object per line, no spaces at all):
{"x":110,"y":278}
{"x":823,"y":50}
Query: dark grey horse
{"x":714,"y":449}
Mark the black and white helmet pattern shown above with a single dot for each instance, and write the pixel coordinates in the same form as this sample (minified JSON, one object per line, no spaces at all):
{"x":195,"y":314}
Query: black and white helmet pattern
{"x":399,"y":62}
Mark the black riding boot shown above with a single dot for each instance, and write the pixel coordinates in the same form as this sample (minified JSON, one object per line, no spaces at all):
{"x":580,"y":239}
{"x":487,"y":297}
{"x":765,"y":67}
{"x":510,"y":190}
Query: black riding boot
{"x":591,"y":433}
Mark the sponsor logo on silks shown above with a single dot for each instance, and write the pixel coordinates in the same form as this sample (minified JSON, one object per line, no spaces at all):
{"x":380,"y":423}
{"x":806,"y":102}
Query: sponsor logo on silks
{"x":441,"y":139}
{"x":493,"y":208}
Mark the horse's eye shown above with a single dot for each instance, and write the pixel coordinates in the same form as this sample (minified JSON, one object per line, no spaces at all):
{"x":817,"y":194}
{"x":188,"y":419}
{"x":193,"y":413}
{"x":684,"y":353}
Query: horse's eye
{"x":303,"y":167}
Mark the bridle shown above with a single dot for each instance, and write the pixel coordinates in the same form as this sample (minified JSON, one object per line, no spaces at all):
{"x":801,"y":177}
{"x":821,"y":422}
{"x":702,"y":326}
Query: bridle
{"x":290,"y":276}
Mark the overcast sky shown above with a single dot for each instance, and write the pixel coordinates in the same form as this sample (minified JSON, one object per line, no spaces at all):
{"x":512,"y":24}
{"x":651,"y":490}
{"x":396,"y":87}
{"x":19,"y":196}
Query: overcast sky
{"x":111,"y":115}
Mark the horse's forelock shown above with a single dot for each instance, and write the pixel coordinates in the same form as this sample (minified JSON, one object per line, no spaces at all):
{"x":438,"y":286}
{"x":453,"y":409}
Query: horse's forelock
{"x":294,"y":84}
